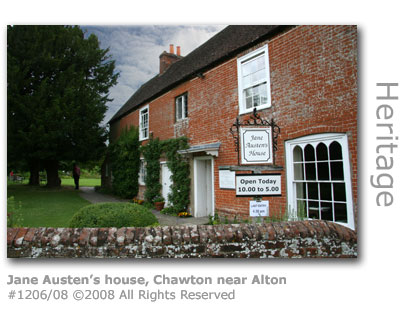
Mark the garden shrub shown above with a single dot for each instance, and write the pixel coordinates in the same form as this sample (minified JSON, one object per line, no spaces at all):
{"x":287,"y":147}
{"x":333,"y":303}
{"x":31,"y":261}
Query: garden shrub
{"x":14,"y":217}
{"x":113,"y":214}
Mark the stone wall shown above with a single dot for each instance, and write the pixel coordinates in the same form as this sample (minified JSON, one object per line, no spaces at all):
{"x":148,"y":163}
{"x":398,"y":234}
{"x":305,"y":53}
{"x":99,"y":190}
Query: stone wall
{"x":307,"y":239}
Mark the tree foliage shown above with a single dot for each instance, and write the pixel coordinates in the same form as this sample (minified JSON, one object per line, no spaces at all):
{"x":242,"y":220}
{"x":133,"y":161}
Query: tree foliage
{"x":58,"y":82}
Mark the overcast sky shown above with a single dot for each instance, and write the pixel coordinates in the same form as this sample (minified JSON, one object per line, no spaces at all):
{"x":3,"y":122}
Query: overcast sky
{"x":136,"y":51}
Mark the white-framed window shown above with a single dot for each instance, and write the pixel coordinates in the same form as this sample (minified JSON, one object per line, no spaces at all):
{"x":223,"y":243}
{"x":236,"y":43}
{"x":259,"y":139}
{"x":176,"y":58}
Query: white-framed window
{"x":319,"y":179}
{"x":144,"y":123}
{"x":181,"y":107}
{"x":254,"y":80}
{"x":142,"y":172}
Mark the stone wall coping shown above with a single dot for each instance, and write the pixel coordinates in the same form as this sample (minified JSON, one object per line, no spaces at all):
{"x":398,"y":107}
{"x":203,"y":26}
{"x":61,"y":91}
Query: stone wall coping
{"x":177,"y":235}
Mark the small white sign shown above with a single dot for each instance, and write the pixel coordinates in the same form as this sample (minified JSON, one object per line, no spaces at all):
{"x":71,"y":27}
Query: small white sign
{"x":251,"y":185}
{"x":256,"y":146}
{"x":227,"y":179}
{"x":259,"y":209}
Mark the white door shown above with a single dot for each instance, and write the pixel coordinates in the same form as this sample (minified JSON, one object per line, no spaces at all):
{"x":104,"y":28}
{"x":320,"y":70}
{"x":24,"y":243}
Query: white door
{"x":166,"y":182}
{"x":203,"y":176}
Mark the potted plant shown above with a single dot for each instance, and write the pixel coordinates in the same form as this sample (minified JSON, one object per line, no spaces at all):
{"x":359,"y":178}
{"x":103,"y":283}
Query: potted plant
{"x":158,"y":202}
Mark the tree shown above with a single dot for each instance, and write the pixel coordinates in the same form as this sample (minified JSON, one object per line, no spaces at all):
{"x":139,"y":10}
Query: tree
{"x":58,"y":82}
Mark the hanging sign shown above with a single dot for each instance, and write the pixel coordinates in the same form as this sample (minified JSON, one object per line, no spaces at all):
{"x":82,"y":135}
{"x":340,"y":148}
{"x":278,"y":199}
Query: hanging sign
{"x":253,"y":185}
{"x":256,"y":145}
{"x":259,"y":209}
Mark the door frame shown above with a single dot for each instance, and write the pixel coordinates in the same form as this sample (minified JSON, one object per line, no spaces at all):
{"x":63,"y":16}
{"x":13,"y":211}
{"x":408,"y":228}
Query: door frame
{"x":195,"y":181}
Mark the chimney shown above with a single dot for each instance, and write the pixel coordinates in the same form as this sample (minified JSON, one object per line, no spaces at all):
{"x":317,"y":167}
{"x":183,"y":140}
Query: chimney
{"x":166,"y":59}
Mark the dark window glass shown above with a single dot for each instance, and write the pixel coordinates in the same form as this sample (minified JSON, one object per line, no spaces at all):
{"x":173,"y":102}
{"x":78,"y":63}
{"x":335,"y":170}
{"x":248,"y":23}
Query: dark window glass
{"x":322,"y":152}
{"x":309,"y":153}
{"x":335,"y":151}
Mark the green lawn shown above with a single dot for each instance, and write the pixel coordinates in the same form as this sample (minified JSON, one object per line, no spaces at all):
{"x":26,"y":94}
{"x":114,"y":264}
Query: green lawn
{"x":43,"y":207}
{"x":84,"y":182}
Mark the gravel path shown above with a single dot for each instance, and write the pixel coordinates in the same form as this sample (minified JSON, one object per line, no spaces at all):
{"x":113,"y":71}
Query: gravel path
{"x":88,"y":193}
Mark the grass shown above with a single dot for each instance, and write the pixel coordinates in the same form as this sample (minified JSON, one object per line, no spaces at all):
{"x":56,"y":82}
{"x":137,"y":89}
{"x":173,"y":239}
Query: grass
{"x":84,"y":182}
{"x":44,"y":207}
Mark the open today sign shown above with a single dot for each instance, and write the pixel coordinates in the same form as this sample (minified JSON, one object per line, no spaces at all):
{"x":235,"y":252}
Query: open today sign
{"x":252,"y":185}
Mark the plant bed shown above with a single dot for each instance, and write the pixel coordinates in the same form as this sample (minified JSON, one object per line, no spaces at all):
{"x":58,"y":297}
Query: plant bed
{"x":184,"y":215}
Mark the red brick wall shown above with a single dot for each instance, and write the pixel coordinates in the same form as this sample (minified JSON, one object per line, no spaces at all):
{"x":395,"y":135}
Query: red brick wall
{"x":314,"y":90}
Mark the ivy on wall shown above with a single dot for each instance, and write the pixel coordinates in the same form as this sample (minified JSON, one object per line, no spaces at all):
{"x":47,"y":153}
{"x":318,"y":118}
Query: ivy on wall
{"x":179,"y":196}
{"x":152,"y":152}
{"x":124,"y":155}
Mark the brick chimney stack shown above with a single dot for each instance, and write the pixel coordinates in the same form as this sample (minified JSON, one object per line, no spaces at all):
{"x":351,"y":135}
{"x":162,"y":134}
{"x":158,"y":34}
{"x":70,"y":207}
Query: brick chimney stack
{"x":166,"y":59}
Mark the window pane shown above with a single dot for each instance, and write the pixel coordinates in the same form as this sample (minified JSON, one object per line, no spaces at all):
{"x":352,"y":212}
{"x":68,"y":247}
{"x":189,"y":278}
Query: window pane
{"x":326,"y":211}
{"x":310,"y":171}
{"x":309,"y":153}
{"x":185,"y":103}
{"x":247,"y":81}
{"x":337,"y":171}
{"x":335,"y":151}
{"x":300,"y":190}
{"x":249,"y":102}
{"x":246,"y":69}
{"x":297,"y":154}
{"x":301,"y":209}
{"x":258,"y":76}
{"x":339,"y":192}
{"x":260,"y":62}
{"x":179,"y":109}
{"x":263,"y":90}
{"x":323,"y":171}
{"x":322,"y":152}
{"x":313,"y":191}
{"x":298,"y":171}
{"x":341,"y":212}
{"x":313,"y":210}
{"x":256,"y":100}
{"x":325,"y":191}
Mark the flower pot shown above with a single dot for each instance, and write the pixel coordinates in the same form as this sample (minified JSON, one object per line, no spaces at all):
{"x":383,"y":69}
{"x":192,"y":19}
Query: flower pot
{"x":159,"y":205}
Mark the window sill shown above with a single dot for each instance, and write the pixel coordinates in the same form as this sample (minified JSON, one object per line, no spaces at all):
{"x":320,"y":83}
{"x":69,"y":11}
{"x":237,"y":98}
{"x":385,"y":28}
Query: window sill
{"x":182,"y":120}
{"x":251,"y":110}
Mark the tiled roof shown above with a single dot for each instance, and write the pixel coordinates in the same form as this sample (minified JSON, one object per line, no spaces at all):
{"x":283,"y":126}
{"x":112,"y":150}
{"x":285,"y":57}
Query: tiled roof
{"x":224,"y":45}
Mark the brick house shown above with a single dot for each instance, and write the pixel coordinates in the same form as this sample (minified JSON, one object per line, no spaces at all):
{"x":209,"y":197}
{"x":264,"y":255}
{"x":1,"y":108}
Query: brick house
{"x":304,"y":78}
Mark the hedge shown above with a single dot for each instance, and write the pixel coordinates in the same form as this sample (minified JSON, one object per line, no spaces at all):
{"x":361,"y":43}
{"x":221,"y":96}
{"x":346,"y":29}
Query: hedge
{"x":113,"y":214}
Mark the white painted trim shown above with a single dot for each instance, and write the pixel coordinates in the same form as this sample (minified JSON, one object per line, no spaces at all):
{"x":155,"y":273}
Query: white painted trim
{"x":140,"y":122}
{"x":314,"y":140}
{"x":162,"y":164}
{"x":140,"y":181}
{"x":196,"y":195}
{"x":184,"y":97}
{"x":250,"y":56}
